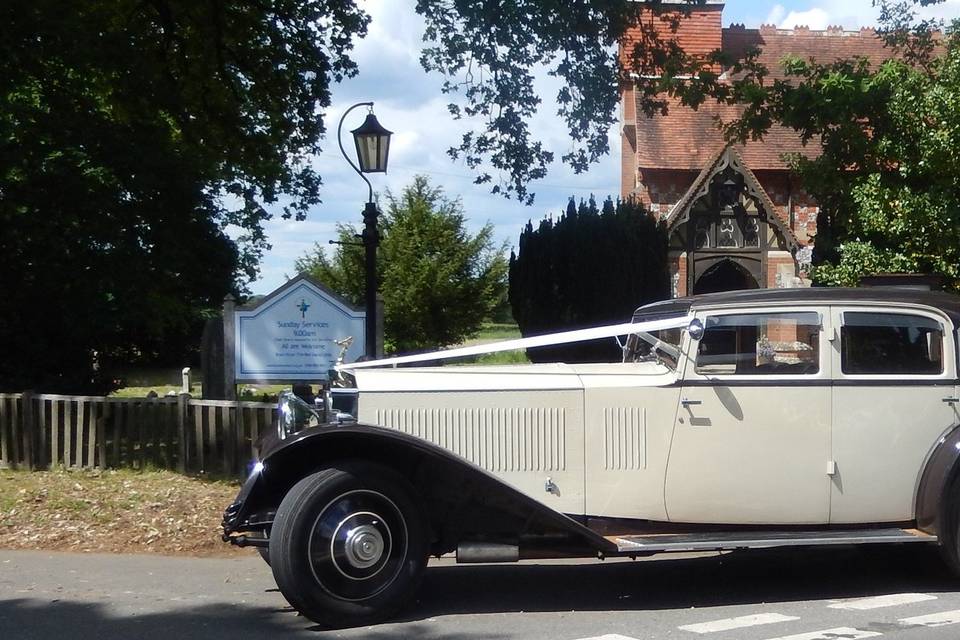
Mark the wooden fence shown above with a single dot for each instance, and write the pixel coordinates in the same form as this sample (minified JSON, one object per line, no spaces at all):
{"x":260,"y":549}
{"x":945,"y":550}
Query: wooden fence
{"x":39,"y":431}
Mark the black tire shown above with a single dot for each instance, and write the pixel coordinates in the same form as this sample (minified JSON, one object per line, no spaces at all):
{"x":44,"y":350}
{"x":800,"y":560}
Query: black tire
{"x":348,"y":544}
{"x":949,"y":525}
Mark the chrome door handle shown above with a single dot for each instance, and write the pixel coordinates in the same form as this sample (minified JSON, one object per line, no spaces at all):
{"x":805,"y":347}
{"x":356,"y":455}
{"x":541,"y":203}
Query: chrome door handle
{"x":952,"y":400}
{"x":686,"y":402}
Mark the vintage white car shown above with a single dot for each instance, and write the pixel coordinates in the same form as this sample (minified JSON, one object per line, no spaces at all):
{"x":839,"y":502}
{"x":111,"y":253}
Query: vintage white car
{"x":764,"y":418}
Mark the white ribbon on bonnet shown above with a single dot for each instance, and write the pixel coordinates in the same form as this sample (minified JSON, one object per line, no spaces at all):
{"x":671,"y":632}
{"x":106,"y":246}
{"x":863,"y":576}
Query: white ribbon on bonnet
{"x":546,"y":340}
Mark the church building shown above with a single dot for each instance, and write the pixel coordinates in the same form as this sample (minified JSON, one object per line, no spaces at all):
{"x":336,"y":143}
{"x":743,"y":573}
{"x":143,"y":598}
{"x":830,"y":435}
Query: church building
{"x":737,"y":217}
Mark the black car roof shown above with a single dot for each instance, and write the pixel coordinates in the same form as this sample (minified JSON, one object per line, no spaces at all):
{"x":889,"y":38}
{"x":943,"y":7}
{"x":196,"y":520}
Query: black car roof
{"x":948,"y":303}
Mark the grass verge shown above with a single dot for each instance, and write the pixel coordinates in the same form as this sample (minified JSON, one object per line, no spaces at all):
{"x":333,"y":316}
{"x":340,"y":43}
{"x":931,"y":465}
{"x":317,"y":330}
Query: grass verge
{"x":113,"y":512}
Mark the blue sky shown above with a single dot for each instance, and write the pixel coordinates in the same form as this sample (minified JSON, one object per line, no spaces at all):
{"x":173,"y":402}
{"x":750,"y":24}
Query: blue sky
{"x":409,"y":102}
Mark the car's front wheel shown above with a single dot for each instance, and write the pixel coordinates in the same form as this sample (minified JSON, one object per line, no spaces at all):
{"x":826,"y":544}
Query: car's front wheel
{"x":348,"y":545}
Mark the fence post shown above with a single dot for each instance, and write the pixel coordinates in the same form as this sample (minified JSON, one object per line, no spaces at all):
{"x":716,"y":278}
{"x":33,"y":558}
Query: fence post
{"x":182,"y":398}
{"x":229,"y":345}
{"x":43,"y":450}
{"x":29,"y":430}
{"x":102,"y":408}
{"x":4,"y":446}
{"x":16,"y":433}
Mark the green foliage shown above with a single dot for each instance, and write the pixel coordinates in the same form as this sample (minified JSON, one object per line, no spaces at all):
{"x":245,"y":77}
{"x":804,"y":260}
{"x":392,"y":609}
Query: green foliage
{"x":438,"y":281}
{"x":489,"y":50}
{"x":587,"y":268}
{"x":888,"y":175}
{"x":886,"y":179}
{"x":132,"y":134}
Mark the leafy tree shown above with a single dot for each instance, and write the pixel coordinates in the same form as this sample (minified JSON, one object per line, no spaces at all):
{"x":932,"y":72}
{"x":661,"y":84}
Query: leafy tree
{"x":438,"y":281}
{"x":589,"y":267}
{"x":489,"y":51}
{"x":132,"y":134}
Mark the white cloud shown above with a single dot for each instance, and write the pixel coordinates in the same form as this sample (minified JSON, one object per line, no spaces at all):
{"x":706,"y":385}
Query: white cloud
{"x":776,"y":15}
{"x":948,"y":10}
{"x":815,"y":18}
{"x":850,"y":14}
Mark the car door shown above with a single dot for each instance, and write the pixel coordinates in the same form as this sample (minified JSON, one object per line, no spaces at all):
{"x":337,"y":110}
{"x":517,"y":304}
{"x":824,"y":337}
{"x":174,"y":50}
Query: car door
{"x":895,"y":379}
{"x":751,"y":439}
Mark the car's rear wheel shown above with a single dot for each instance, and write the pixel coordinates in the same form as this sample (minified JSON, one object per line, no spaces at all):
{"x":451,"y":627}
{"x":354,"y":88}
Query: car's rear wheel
{"x":348,"y":544}
{"x":948,"y":527}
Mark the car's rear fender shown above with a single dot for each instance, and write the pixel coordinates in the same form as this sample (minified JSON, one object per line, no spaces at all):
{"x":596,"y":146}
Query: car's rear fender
{"x":940,"y":475}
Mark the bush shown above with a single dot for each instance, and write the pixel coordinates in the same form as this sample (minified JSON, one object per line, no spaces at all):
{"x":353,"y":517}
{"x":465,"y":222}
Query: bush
{"x":587,"y":268}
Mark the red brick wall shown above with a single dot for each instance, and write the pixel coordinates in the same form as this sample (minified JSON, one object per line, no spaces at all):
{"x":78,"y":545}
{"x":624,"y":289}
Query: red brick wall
{"x":698,"y":33}
{"x":660,"y":189}
{"x":678,"y":274}
{"x":773,"y":264}
{"x":628,"y":139}
{"x":786,"y":192}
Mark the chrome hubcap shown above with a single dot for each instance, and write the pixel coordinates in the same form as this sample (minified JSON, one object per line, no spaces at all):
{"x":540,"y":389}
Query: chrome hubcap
{"x":364,"y":546}
{"x":358,"y":544}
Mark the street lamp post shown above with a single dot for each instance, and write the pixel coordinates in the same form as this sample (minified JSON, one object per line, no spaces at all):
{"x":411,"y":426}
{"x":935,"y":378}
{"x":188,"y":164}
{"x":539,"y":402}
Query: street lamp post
{"x":373,"y":146}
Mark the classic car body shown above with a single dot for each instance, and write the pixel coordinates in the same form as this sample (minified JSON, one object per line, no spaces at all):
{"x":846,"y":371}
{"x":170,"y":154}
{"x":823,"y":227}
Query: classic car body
{"x":754,"y":419}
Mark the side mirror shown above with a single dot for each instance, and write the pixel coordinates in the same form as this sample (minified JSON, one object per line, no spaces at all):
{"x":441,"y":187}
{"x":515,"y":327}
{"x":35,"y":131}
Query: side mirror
{"x":695,"y":329}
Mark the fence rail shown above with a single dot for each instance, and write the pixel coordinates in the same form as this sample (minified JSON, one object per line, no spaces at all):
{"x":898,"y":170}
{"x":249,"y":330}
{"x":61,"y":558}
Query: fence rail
{"x":47,"y":430}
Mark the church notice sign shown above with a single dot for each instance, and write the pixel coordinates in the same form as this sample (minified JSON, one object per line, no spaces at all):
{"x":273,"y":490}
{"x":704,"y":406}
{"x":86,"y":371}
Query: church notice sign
{"x":292,"y":333}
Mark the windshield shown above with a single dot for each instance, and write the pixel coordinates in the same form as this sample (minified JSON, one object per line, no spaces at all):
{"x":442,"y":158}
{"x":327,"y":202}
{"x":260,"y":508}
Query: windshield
{"x":659,"y":346}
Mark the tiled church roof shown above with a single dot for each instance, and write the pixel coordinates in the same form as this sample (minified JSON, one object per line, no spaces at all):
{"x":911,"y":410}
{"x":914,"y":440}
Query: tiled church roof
{"x":688,"y":139}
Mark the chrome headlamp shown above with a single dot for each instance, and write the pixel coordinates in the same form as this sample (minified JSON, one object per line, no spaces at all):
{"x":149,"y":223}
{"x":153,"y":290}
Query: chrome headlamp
{"x":293,"y":415}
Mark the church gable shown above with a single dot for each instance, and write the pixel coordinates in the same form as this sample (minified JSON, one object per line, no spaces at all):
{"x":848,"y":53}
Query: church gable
{"x":670,"y":162}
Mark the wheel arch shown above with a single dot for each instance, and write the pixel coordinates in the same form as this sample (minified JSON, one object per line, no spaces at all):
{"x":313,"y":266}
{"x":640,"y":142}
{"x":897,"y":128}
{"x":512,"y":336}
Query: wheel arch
{"x":940,"y":472}
{"x":461,"y":500}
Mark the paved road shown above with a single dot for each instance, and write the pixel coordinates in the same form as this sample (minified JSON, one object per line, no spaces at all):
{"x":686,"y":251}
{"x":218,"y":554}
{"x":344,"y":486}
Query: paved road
{"x":897,"y":593}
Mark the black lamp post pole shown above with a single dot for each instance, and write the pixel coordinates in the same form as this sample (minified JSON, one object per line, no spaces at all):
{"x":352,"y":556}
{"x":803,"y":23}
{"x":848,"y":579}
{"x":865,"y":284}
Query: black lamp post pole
{"x":371,"y":239}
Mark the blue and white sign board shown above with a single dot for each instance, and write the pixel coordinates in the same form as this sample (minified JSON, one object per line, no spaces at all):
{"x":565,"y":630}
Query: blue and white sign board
{"x":291,"y":334}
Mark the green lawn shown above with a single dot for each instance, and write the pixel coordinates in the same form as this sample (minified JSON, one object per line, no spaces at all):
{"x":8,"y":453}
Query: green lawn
{"x":252,"y":392}
{"x":495,"y":332}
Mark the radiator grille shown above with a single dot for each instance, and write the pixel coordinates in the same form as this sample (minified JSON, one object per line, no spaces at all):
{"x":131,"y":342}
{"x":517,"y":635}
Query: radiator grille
{"x":515,"y":439}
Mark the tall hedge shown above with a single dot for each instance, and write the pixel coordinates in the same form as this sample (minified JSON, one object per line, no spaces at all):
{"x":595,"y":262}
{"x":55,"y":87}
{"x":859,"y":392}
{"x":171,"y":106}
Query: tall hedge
{"x":589,"y":267}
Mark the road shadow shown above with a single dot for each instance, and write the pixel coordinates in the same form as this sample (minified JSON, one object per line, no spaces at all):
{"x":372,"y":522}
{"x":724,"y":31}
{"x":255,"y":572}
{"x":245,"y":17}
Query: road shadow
{"x":34,"y":619}
{"x":748,"y":577}
{"x":662,"y":583}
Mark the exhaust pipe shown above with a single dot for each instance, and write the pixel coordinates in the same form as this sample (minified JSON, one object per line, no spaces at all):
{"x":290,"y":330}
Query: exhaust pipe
{"x":473,"y":552}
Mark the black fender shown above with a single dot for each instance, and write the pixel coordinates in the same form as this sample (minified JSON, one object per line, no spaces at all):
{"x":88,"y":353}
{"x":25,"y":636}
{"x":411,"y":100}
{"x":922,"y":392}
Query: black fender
{"x":941,"y":472}
{"x":461,"y":500}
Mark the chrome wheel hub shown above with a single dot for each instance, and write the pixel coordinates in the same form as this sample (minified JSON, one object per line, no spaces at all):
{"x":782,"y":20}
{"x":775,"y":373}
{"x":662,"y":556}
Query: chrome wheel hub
{"x":358,"y":544}
{"x":364,"y":546}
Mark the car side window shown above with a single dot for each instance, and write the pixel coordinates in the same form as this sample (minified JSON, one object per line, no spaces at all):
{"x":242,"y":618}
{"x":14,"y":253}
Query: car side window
{"x":891,"y":343}
{"x":760,"y":344}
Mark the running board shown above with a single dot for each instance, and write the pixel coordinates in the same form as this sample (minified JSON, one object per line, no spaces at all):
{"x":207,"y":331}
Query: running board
{"x":728,"y":540}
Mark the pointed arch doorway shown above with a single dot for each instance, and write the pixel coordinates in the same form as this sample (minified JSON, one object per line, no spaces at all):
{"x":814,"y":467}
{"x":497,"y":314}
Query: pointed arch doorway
{"x":725,"y":275}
